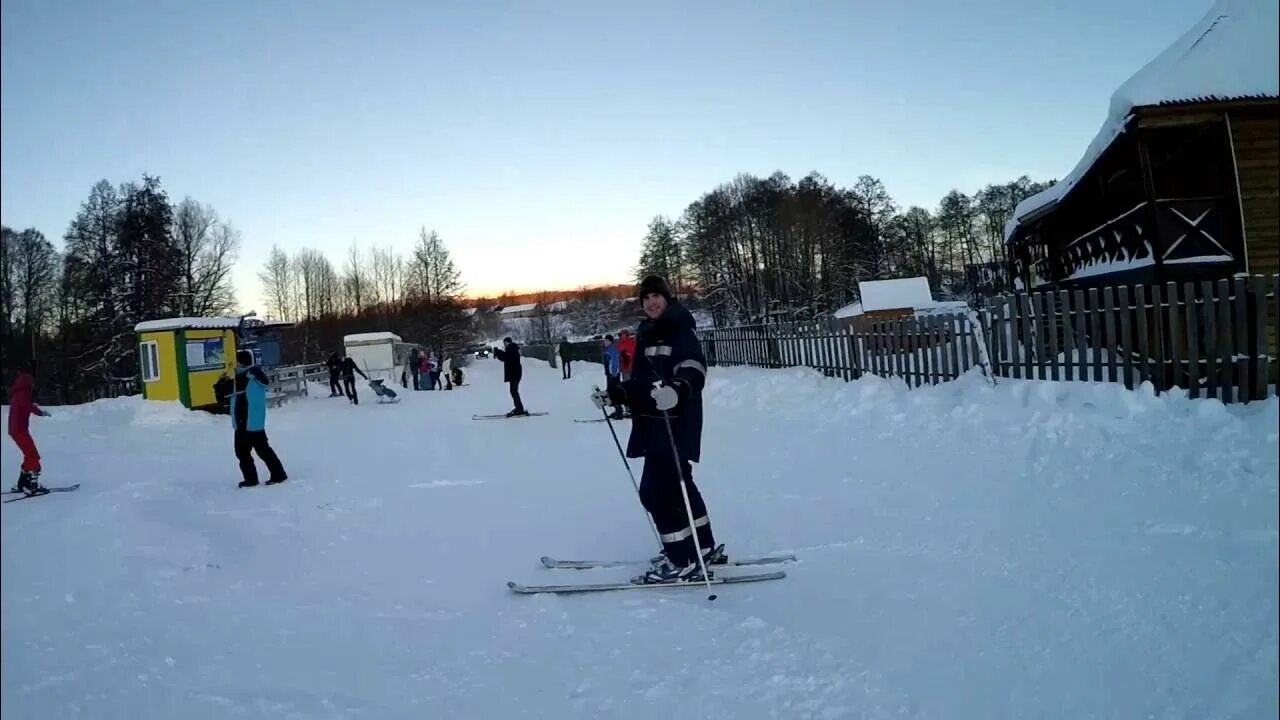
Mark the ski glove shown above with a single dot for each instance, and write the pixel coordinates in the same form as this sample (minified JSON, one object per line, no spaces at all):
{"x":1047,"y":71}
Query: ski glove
{"x":600,"y":398}
{"x":664,"y":396}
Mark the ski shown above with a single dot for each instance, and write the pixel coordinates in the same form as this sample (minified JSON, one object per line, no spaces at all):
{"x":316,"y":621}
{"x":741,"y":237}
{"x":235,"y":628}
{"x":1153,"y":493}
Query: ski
{"x":633,"y":585}
{"x":47,"y":490}
{"x":555,"y":564}
{"x":507,"y":417}
{"x":600,"y":420}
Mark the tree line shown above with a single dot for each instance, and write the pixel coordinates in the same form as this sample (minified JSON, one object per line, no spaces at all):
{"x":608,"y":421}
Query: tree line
{"x":418,"y":296}
{"x":129,"y":255}
{"x":758,"y":248}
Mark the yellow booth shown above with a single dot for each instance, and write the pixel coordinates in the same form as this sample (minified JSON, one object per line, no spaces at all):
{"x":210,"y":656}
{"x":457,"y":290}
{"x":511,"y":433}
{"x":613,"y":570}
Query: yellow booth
{"x":181,"y":358}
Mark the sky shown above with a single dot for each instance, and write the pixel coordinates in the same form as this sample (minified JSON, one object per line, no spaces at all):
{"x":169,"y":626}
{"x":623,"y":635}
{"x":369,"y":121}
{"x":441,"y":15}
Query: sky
{"x":539,"y":138}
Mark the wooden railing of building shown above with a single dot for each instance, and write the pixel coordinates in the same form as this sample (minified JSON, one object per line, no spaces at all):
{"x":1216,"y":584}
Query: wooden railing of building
{"x":1211,"y":339}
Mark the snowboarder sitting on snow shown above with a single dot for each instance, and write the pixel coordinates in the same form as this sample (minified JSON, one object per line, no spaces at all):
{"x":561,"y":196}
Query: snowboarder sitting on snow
{"x":666,"y":386}
{"x":249,"y":418}
{"x":509,"y":354}
{"x":349,"y":371}
{"x":21,"y":408}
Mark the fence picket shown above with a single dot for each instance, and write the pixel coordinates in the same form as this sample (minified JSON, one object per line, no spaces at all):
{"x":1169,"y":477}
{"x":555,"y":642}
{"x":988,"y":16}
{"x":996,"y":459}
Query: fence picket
{"x":1095,"y":334}
{"x":1126,"y":337}
{"x":1081,"y":336}
{"x":1193,"y":339}
{"x":1210,"y":324}
{"x":1140,"y":317}
{"x":1068,"y":339}
{"x":1245,"y":362}
{"x":1109,"y":308}
{"x":1159,"y":353}
{"x":964,"y":335}
{"x":1226,"y":343}
{"x":1051,"y":329}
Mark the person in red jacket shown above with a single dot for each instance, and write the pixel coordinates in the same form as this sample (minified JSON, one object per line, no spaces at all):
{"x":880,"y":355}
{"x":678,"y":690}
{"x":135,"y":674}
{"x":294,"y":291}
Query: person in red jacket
{"x":626,"y":354}
{"x":21,"y":408}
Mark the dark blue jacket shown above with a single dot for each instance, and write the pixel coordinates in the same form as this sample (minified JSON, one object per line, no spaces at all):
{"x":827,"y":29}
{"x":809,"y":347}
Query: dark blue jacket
{"x":667,"y":349}
{"x":510,"y":357}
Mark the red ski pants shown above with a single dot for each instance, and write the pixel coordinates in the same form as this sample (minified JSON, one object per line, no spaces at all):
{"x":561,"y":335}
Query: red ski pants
{"x":30,"y":456}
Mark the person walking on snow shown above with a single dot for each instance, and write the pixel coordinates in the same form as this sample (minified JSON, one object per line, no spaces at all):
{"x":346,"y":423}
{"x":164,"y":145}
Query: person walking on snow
{"x":335,"y":375}
{"x":249,"y":419}
{"x":566,"y":352}
{"x":21,"y":408}
{"x":666,"y":386}
{"x":612,"y":370}
{"x":509,"y":354}
{"x":349,"y":371}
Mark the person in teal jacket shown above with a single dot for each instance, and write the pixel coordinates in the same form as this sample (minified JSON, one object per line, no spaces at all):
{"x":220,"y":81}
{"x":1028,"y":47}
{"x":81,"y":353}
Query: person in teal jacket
{"x":249,"y":418}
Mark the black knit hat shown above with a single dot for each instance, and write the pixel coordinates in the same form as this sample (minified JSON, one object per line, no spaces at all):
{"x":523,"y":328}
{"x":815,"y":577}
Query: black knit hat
{"x":653,"y":284}
{"x":244,"y":358}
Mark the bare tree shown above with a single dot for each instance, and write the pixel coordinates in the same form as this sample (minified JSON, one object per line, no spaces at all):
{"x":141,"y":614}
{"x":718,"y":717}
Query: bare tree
{"x":355,"y":281}
{"x":209,"y":249}
{"x":277,"y":278}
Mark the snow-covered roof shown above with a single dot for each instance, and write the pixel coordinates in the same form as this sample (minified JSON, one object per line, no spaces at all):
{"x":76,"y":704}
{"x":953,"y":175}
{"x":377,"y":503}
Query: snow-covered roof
{"x":1231,"y":54}
{"x":558,"y":306}
{"x":527,"y":307}
{"x":468,"y":312}
{"x":188,"y":323}
{"x":370,"y":337}
{"x":895,"y":293}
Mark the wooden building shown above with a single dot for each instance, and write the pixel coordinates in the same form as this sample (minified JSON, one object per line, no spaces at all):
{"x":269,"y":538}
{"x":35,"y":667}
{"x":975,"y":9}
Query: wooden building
{"x":1183,"y":181}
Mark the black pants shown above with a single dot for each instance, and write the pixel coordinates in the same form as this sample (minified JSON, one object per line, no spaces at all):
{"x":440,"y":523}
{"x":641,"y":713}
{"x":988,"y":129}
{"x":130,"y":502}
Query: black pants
{"x":515,"y":395}
{"x":567,"y":372}
{"x":248,"y":442}
{"x":661,"y":496}
{"x":349,"y":387}
{"x":335,"y":386}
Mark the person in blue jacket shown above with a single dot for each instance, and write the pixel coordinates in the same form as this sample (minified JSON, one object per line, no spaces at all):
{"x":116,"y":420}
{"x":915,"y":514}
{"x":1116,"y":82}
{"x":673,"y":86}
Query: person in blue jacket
{"x":249,"y":418}
{"x":612,"y":369}
{"x":666,"y":384}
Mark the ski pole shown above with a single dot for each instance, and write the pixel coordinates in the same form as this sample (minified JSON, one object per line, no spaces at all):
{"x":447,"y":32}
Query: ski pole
{"x":688,"y":508}
{"x":622,"y":454}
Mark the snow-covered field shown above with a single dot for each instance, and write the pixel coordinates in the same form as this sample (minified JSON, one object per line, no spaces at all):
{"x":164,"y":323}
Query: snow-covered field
{"x":1033,"y":550}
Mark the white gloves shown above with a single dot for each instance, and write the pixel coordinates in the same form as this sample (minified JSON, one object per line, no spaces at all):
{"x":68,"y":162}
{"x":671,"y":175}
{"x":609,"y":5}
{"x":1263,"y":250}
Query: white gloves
{"x":664,"y":396}
{"x":600,"y":398}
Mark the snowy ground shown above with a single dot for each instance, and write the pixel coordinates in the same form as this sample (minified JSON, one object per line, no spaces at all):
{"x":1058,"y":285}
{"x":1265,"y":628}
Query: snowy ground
{"x":1029,"y":551}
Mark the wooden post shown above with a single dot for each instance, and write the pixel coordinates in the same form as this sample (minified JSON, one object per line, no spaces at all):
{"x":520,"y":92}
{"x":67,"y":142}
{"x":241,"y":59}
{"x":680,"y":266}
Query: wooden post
{"x":1159,"y":352}
{"x":1068,"y":338}
{"x":1051,"y":327}
{"x":1227,"y":344}
{"x":1081,"y":322}
{"x":1096,"y":342}
{"x":1175,"y":337}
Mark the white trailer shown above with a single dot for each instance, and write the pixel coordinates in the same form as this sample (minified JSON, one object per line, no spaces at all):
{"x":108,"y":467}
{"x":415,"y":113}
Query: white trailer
{"x":378,"y":354}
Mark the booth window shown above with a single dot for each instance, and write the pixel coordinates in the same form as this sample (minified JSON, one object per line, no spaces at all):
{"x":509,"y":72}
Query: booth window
{"x":150,"y":355}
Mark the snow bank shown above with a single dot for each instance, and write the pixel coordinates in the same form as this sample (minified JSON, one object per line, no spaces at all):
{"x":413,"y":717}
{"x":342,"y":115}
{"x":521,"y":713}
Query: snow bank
{"x":1028,"y":550}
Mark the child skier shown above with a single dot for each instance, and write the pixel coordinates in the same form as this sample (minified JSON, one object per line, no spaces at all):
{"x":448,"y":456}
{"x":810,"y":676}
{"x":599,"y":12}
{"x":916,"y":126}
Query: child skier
{"x":21,"y":408}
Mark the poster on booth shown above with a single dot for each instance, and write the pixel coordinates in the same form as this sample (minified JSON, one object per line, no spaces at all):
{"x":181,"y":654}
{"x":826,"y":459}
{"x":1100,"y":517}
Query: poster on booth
{"x":206,"y":355}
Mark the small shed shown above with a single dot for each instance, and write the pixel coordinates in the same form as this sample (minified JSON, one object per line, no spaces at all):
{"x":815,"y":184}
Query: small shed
{"x":181,"y":358}
{"x":897,"y":298}
{"x":378,"y":354}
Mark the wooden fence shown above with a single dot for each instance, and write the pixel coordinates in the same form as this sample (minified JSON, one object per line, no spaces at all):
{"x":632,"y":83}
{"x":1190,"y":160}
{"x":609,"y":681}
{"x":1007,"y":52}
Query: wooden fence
{"x":1213,"y":338}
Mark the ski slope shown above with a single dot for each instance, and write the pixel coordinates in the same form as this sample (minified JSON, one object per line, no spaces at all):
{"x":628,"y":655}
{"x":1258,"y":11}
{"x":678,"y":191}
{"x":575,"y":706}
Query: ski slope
{"x":1033,"y":550}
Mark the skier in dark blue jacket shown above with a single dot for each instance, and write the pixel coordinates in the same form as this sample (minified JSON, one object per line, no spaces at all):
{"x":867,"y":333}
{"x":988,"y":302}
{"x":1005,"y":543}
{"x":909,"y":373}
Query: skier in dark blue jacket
{"x":666,"y":387}
{"x":249,"y":418}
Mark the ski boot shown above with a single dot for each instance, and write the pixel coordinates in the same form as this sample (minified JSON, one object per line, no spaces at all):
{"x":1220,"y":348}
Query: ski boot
{"x":714,"y":556}
{"x":669,"y":572}
{"x":517,"y":413}
{"x":248,"y":483}
{"x":277,"y":480}
{"x":29,"y":483}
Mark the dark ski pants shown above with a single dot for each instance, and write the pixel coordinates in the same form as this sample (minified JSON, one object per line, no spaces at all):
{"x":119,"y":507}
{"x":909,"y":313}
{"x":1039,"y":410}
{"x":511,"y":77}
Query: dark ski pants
{"x":661,"y":496}
{"x":335,"y":384}
{"x":515,"y":395}
{"x":30,"y":456}
{"x":251,"y":441}
{"x":568,"y":373}
{"x":349,"y":387}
